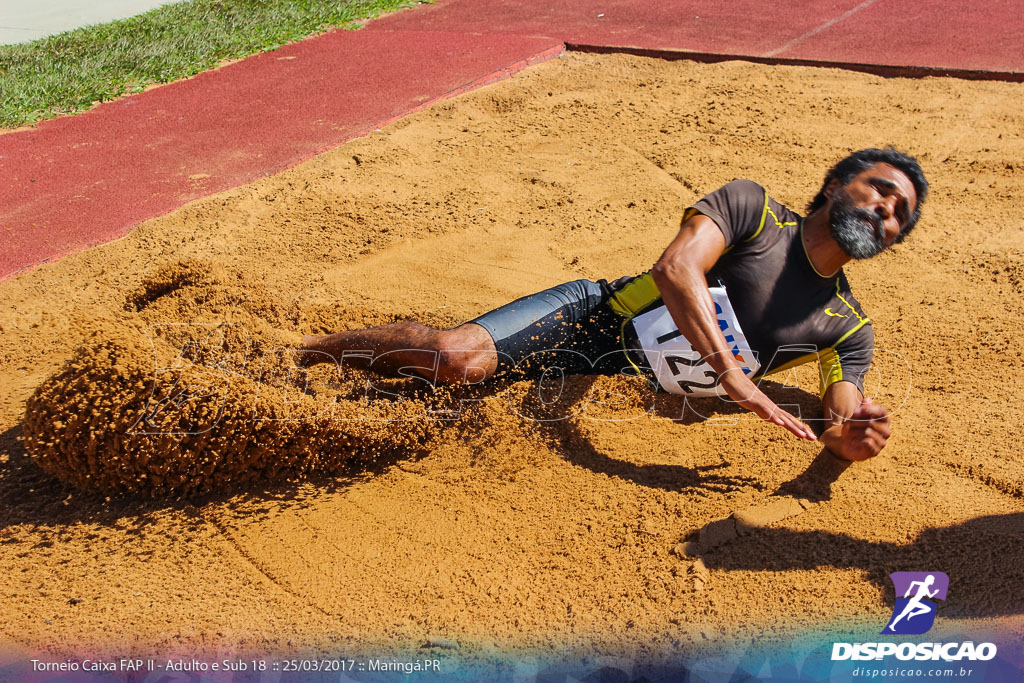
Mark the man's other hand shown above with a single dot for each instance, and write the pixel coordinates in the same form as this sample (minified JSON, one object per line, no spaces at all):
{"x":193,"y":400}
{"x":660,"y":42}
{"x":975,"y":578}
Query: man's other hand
{"x":865,"y":432}
{"x":746,"y":394}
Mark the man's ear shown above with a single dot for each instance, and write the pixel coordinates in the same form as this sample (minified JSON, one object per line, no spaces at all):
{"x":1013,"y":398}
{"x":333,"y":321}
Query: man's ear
{"x":831,"y":187}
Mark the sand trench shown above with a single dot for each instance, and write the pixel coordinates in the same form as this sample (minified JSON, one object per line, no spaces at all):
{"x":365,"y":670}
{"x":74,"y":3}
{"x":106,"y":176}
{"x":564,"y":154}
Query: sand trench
{"x":498,"y":530}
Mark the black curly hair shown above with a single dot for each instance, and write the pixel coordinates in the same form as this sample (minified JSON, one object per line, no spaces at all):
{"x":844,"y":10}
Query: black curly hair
{"x":861,"y":161}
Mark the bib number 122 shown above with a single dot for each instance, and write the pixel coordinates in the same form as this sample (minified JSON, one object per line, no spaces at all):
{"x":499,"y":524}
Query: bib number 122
{"x":679,"y":367}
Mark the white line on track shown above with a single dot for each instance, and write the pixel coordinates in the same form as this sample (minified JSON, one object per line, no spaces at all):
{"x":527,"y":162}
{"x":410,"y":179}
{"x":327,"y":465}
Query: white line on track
{"x":831,"y":22}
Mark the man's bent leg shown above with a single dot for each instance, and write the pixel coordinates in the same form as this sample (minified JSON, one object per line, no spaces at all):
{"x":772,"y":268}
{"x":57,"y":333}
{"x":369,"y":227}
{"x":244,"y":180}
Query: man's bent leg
{"x":464,"y":354}
{"x":566,"y":317}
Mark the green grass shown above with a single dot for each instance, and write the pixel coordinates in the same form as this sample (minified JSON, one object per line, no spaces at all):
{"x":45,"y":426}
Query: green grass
{"x":72,"y":71}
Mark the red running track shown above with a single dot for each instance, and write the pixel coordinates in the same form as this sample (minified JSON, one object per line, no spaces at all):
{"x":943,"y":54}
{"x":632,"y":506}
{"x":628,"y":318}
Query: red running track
{"x":948,"y":34}
{"x":77,"y":181}
{"x":83,"y":180}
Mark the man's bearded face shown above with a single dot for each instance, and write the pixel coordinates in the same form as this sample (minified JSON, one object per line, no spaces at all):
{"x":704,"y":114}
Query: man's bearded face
{"x":858,"y":232}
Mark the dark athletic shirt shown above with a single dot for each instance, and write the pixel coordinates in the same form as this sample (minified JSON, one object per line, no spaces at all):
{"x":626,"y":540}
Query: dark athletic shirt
{"x":789,"y":313}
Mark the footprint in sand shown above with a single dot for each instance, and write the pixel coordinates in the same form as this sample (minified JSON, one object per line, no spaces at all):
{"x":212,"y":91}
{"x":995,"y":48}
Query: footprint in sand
{"x":721,"y":531}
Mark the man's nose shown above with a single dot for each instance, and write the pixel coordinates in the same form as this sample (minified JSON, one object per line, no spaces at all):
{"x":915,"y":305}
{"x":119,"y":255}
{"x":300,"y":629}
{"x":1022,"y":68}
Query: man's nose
{"x":886,"y":207}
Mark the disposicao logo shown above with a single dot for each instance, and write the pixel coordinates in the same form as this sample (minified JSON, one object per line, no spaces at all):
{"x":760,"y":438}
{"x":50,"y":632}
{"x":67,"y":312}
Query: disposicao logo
{"x":914,"y":614}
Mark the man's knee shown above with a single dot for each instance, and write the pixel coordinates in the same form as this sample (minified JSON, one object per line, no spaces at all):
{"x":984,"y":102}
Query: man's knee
{"x":465,"y":355}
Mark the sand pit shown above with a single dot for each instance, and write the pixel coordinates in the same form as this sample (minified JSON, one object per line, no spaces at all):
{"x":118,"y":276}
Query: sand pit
{"x":631,"y":527}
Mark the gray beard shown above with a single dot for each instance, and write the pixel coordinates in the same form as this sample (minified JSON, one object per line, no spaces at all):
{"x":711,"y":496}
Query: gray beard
{"x":855,"y":230}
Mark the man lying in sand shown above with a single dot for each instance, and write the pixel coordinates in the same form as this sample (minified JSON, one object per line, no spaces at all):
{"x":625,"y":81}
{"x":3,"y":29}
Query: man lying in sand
{"x":747,"y":288}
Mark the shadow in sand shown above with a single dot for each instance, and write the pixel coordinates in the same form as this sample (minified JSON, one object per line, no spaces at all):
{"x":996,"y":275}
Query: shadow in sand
{"x":555,"y":418}
{"x":815,"y":483}
{"x":30,"y":496}
{"x":577,"y":449}
{"x":686,"y":410}
{"x":984,"y":558}
{"x":811,"y":486}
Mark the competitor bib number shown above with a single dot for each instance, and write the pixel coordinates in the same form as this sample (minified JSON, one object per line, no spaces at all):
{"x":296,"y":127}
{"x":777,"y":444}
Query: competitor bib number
{"x":680,"y":369}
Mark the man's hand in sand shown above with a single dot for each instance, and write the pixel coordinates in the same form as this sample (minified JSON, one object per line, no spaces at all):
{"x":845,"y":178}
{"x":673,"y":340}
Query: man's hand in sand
{"x":859,"y":428}
{"x":864,"y":434}
{"x":746,"y":394}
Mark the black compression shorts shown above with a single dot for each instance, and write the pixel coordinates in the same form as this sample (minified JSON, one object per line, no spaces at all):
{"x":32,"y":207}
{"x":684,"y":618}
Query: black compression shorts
{"x":569,"y":327}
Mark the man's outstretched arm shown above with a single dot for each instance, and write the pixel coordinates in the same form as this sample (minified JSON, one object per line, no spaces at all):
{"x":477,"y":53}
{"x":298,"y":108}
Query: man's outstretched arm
{"x":679,"y":275}
{"x":858,"y":428}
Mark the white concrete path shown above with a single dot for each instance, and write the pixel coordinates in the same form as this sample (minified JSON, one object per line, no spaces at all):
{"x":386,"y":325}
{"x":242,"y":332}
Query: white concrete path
{"x":25,"y":20}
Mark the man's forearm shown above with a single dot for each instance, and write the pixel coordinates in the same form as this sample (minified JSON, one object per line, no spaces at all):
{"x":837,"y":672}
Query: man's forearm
{"x":685,"y":294}
{"x":680,"y":277}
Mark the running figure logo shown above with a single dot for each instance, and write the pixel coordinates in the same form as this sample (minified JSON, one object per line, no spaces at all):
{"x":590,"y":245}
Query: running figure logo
{"x":914,"y":613}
